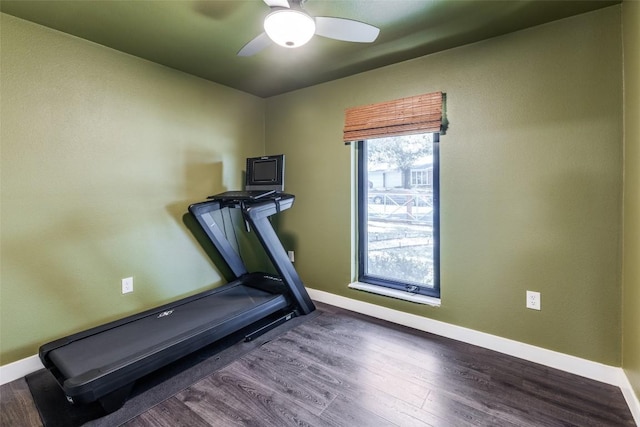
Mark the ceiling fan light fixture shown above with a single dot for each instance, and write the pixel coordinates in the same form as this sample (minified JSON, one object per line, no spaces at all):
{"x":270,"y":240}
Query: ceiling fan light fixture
{"x":289,"y":28}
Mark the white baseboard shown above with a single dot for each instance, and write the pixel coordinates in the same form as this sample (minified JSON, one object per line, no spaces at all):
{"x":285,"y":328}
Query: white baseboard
{"x":630,"y":396}
{"x":19,"y":369}
{"x":564,"y":362}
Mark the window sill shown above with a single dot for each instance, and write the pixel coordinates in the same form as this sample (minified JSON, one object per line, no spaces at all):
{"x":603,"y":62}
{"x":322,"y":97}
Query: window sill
{"x":394,"y":293}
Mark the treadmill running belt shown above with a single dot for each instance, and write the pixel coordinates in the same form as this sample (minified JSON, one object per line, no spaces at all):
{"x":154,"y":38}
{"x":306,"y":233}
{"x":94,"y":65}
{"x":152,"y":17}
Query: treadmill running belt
{"x":150,"y":334}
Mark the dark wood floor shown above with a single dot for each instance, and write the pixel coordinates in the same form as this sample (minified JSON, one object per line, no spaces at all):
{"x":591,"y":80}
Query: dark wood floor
{"x":345,"y":369}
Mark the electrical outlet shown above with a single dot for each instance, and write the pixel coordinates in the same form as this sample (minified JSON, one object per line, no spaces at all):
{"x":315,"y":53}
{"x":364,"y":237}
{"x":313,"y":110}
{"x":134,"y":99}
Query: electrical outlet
{"x":292,"y":256}
{"x":127,"y":285}
{"x":533,"y":300}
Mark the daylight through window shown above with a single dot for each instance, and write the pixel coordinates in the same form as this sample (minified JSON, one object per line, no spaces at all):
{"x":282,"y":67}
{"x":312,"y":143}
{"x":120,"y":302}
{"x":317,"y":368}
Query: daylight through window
{"x":398,"y":213}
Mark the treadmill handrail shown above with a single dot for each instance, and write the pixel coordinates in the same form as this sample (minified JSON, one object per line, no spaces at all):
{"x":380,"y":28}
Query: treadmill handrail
{"x":257,"y":214}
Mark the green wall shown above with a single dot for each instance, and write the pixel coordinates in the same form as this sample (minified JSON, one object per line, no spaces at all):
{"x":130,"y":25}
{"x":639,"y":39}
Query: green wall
{"x":102,"y":153}
{"x":531,"y":182}
{"x":631,"y":248}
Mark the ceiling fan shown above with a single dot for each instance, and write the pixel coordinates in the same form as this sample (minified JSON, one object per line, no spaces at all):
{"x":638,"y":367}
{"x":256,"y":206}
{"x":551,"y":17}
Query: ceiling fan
{"x":290,"y":26}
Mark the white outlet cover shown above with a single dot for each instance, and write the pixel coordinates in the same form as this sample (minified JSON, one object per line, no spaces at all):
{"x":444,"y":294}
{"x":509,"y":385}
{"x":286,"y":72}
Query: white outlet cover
{"x":533,"y":300}
{"x":127,"y":285}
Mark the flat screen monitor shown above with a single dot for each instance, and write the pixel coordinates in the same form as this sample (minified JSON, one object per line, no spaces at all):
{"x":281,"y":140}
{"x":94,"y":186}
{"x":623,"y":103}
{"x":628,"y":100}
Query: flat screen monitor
{"x":265,"y":173}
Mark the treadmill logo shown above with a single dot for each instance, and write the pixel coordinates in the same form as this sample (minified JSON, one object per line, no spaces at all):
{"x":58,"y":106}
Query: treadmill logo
{"x":165,"y":313}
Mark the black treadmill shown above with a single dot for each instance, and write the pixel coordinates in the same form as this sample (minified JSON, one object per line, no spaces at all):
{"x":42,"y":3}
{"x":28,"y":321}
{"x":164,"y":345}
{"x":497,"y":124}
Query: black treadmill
{"x":102,"y":363}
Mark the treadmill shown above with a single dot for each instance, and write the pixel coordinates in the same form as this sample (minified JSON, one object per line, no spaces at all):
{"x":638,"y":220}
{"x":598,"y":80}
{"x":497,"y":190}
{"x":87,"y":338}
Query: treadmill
{"x":102,"y":363}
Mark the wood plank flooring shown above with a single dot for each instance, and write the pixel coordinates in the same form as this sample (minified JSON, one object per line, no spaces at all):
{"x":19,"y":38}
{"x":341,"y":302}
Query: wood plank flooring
{"x":345,"y":369}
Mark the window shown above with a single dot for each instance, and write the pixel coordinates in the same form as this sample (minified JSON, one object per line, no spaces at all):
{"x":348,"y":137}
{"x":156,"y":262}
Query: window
{"x":421,"y":178}
{"x":398,"y":221}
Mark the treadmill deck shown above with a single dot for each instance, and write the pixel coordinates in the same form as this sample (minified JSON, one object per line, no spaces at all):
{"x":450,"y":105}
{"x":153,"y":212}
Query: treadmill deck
{"x":148,"y":335}
{"x":132,"y":349}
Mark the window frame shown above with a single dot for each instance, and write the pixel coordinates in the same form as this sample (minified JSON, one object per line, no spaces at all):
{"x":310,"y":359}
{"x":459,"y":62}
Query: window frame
{"x":362,"y":223}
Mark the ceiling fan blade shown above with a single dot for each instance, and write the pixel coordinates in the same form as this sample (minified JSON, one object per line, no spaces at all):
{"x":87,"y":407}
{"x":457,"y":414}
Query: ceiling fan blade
{"x":277,"y":3}
{"x":346,"y":29}
{"x":256,"y":45}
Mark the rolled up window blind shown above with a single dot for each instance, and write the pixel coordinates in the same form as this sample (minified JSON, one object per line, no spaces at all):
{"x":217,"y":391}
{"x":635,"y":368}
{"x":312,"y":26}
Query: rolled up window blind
{"x":405,"y":116}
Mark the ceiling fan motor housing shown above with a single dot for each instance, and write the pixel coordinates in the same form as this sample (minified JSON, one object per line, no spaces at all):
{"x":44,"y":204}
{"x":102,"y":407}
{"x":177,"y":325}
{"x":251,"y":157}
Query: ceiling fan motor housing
{"x":289,"y":27}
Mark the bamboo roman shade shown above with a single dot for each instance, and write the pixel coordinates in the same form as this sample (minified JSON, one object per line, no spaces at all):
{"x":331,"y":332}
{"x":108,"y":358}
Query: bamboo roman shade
{"x":405,"y":116}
